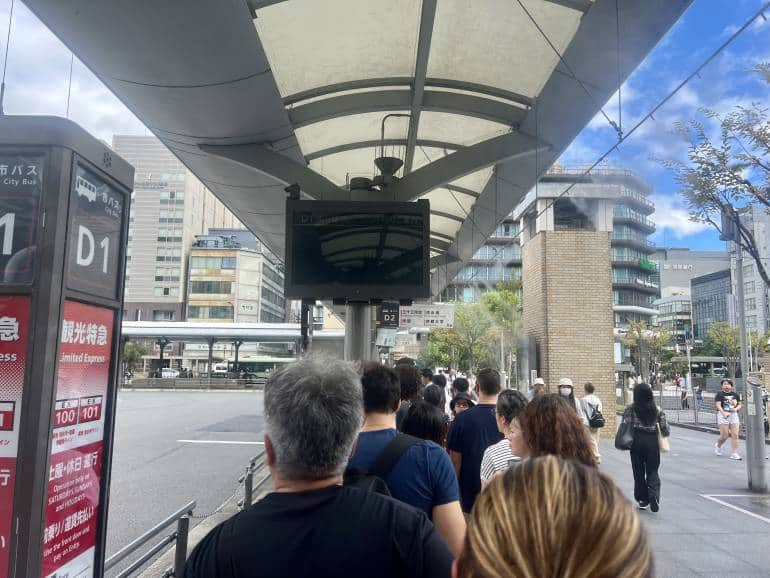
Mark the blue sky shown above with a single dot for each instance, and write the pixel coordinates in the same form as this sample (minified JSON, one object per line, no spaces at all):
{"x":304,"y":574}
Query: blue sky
{"x":722,"y":85}
{"x":38,"y":71}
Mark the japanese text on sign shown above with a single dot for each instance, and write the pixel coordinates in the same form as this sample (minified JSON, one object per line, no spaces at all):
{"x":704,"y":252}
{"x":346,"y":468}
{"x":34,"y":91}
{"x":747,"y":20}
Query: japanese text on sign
{"x":439,"y":315}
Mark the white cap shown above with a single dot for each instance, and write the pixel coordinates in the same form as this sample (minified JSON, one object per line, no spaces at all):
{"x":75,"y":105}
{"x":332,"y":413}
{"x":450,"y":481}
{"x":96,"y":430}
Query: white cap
{"x":538,"y":381}
{"x":565,"y":381}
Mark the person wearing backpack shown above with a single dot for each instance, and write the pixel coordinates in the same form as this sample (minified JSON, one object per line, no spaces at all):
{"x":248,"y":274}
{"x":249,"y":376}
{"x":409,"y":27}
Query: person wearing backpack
{"x":415,"y":471}
{"x":311,"y":525}
{"x":593,"y":410}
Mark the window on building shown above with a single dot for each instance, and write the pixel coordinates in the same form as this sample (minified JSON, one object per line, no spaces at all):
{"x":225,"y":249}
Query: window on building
{"x":206,"y":262}
{"x":748,"y":287}
{"x":228,"y":263}
{"x":161,"y":291}
{"x":751,"y":303}
{"x":162,"y":315}
{"x":221,"y":312}
{"x":215,"y":287}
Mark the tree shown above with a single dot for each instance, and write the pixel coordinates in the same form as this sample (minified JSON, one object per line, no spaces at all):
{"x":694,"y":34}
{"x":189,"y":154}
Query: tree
{"x":473,"y":329}
{"x":646,"y":345}
{"x":726,"y":338}
{"x":504,"y":305}
{"x":133,"y":353}
{"x":443,"y":344}
{"x":721,"y":178}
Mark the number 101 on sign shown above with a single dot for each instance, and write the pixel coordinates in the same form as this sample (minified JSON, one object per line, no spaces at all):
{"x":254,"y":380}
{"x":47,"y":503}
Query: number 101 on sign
{"x":90,"y":408}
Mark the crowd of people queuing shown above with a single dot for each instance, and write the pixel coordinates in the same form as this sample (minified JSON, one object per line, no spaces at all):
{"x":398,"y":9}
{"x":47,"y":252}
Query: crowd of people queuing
{"x":381,"y":471}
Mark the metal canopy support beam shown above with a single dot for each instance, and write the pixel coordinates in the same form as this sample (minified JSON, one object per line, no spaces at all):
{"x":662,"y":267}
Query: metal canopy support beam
{"x":427,"y":18}
{"x":407,"y":81}
{"x":280,"y":167}
{"x":579,"y":5}
{"x":394,"y":99}
{"x":444,"y":259}
{"x":350,"y":146}
{"x":440,"y":245}
{"x":448,"y":216}
{"x":464,"y":162}
{"x":563,"y":109}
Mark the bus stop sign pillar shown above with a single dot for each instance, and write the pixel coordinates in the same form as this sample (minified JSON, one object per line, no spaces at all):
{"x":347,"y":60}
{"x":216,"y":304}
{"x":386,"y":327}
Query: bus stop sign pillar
{"x":755,"y":436}
{"x":63,"y":229}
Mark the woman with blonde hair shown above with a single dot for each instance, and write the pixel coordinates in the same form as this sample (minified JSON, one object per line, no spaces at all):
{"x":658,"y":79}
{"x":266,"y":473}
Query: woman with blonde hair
{"x":545,"y":518}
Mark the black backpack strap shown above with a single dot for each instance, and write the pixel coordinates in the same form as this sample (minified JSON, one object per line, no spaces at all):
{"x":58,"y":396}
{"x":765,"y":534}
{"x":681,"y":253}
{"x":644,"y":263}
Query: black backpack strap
{"x":390,"y":455}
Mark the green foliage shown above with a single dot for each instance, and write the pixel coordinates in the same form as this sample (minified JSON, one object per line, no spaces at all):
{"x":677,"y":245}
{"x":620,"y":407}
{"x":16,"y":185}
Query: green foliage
{"x":727,"y":341}
{"x":132,"y":354}
{"x":723,"y":175}
{"x":474,"y":341}
{"x":647,"y":346}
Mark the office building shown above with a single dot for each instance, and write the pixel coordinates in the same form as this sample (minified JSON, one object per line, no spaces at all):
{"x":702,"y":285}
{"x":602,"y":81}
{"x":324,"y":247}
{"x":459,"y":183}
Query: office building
{"x":498,"y":259}
{"x":676,"y":267}
{"x":230,"y":283}
{"x":169,"y":206}
{"x":755,"y":291}
{"x":634,"y":276}
{"x":675,"y":314}
{"x":712,"y":300}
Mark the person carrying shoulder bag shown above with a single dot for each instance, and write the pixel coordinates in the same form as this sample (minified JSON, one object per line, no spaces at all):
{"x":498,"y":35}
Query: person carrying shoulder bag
{"x":644,"y":431}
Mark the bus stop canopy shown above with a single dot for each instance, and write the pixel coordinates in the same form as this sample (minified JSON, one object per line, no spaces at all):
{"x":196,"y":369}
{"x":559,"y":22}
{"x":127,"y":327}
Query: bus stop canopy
{"x":254,"y":95}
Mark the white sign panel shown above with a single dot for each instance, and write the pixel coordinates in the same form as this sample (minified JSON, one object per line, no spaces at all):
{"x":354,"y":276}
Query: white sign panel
{"x":438,"y":315}
{"x":386,"y":337}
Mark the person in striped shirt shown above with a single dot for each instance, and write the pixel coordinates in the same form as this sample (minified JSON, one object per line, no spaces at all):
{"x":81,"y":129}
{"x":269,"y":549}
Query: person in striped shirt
{"x":497,"y":457}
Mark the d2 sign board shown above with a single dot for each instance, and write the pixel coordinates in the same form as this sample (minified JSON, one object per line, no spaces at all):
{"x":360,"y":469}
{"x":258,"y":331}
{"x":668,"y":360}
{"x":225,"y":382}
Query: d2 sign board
{"x":94,"y":238}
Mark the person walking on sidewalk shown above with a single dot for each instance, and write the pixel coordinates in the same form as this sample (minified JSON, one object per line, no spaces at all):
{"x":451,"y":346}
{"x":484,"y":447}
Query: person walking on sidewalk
{"x":647,"y":422}
{"x":728,"y":404}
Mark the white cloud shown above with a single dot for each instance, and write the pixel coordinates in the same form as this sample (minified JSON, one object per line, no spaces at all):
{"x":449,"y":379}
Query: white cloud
{"x":38,"y":76}
{"x":672,"y":219}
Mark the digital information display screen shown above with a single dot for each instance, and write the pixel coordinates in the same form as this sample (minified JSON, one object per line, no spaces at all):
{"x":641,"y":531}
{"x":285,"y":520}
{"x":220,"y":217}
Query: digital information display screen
{"x":357,"y":249}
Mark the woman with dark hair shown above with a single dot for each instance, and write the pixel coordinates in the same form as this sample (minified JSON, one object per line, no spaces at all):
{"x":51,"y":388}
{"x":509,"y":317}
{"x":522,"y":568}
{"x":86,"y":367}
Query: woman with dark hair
{"x":424,"y":420}
{"x":550,"y":426}
{"x":434,"y":396}
{"x":646,"y":419}
{"x":497,"y":457}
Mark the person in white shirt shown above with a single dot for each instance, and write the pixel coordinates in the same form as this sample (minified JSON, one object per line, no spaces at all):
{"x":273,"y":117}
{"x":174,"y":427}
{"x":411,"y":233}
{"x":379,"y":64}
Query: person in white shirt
{"x":591,"y":401}
{"x":497,"y":457}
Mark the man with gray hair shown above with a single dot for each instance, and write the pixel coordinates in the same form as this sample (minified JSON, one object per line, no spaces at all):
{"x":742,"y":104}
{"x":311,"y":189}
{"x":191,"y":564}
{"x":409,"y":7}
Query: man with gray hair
{"x":311,"y":525}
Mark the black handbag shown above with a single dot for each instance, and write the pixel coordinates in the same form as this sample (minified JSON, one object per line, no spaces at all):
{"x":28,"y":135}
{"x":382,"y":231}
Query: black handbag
{"x":624,"y":438}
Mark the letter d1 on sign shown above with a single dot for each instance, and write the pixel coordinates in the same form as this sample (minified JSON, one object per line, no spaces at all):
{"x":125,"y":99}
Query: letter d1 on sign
{"x":96,"y":217}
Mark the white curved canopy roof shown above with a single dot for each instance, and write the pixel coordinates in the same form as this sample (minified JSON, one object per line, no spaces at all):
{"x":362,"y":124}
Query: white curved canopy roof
{"x":253,"y":95}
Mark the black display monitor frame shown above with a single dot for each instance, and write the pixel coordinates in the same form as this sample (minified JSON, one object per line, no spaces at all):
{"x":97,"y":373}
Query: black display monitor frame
{"x":368,"y":293}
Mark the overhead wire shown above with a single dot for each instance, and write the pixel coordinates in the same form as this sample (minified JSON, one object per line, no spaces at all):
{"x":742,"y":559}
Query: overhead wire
{"x":623,"y":137}
{"x":612,"y":123}
{"x":651,"y":113}
{"x":5,"y":59}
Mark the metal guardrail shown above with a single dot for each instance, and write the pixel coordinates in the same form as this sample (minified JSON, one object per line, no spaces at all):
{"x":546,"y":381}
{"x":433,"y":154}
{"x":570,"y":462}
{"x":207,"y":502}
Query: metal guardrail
{"x":255,"y":469}
{"x":178,"y":537}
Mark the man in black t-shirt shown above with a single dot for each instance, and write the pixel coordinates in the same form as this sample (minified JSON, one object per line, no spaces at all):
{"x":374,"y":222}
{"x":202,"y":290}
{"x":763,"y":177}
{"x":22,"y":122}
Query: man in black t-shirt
{"x":311,"y":526}
{"x":472,"y":432}
{"x":728,"y":404}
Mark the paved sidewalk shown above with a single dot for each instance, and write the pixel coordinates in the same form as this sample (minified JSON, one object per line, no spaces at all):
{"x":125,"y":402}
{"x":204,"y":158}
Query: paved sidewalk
{"x":709,"y":524}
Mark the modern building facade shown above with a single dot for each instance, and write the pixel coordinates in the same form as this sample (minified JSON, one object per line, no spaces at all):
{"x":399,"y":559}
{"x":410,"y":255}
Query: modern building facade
{"x":712,"y":301}
{"x":169,"y":206}
{"x":230,"y":283}
{"x":634,"y":286}
{"x":499,"y":259}
{"x":755,"y":291}
{"x":676,"y":267}
{"x":675,"y":314}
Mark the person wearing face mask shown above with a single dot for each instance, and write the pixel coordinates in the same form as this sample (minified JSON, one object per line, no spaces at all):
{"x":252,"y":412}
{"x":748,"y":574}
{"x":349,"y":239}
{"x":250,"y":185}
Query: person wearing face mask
{"x":567,"y":391}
